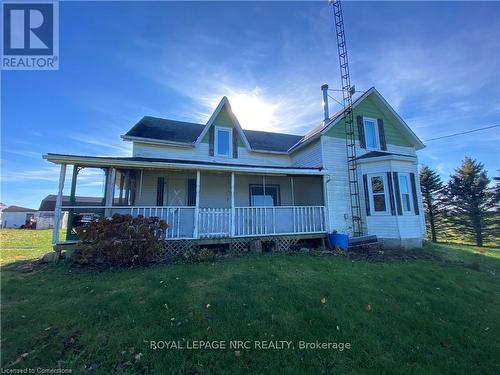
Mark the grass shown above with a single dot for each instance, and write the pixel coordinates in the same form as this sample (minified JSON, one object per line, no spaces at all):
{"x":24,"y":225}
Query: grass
{"x":399,"y":317}
{"x":23,"y":244}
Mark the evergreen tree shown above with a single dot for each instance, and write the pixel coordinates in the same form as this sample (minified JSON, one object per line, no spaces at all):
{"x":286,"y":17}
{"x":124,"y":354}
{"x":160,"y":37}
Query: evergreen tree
{"x":432,"y":194}
{"x":471,"y":200}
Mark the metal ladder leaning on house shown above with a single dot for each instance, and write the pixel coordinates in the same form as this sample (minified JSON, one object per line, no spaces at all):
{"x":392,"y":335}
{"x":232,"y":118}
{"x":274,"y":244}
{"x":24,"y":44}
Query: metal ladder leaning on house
{"x":347,"y":93}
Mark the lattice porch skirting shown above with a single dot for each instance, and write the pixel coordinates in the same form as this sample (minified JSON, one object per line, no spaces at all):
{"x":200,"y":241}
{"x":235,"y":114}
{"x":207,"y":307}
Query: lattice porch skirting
{"x":175,"y":249}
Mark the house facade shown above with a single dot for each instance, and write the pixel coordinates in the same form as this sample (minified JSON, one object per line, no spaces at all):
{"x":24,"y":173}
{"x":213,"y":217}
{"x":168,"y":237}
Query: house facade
{"x":217,"y":180}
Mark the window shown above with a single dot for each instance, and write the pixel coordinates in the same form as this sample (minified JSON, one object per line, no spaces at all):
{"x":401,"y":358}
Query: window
{"x":371,"y":133}
{"x":405,"y":192}
{"x":223,"y":144}
{"x":268,"y":195}
{"x":377,"y":193}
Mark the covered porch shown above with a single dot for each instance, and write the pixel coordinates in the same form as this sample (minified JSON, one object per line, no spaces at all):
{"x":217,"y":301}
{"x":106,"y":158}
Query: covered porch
{"x":197,"y":202}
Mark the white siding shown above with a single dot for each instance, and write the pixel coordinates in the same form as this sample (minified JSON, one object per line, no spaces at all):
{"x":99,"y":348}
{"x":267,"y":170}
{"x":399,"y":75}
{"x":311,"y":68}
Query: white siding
{"x":337,"y":186}
{"x":384,"y":226}
{"x":309,"y":156}
{"x":200,"y":153}
{"x":408,"y":225}
{"x":13,"y":219}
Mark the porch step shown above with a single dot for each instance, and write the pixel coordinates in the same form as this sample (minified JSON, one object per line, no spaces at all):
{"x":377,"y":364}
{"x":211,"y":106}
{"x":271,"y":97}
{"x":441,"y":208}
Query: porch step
{"x":362,"y":241}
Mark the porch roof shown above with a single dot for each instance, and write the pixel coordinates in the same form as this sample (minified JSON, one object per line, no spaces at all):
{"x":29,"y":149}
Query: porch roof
{"x":379,"y":155}
{"x":157,"y":163}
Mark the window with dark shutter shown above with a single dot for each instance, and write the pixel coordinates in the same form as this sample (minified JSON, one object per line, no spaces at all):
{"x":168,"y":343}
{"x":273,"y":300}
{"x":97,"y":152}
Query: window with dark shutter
{"x":414,"y":193}
{"x":398,"y":192}
{"x":361,"y":132}
{"x":235,"y":144}
{"x":367,"y":197}
{"x":211,"y":141}
{"x":391,"y":194}
{"x":381,"y":134}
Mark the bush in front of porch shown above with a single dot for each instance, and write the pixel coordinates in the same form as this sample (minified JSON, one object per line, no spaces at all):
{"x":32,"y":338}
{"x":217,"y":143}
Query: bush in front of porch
{"x":121,"y":241}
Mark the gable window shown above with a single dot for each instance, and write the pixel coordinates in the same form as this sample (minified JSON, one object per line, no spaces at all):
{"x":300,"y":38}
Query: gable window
{"x":268,"y":195}
{"x":371,"y":133}
{"x":404,"y":189}
{"x":378,"y":196}
{"x":223,"y":144}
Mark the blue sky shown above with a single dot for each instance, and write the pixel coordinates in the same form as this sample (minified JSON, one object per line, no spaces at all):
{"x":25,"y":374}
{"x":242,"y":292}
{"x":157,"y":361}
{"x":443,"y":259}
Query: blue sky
{"x":437,"y":63}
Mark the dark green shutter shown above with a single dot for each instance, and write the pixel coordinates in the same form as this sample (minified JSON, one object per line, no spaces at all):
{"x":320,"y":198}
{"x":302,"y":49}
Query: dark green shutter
{"x":391,"y":194}
{"x":414,"y":193}
{"x":235,"y":143}
{"x":367,"y":198}
{"x":381,"y":134}
{"x":211,"y":141}
{"x":361,"y":132}
{"x":398,"y":193}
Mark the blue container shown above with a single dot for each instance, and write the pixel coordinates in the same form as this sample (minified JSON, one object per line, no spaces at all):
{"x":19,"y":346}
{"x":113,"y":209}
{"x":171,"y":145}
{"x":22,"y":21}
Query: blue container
{"x":339,"y":240}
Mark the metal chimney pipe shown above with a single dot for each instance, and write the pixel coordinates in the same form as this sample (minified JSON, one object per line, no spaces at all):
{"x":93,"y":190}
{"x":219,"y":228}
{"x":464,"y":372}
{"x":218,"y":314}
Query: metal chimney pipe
{"x":324,"y":88}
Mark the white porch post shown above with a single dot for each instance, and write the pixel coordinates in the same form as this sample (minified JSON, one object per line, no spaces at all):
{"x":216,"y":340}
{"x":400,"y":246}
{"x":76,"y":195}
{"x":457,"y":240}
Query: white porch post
{"x":110,"y":191}
{"x":109,"y":188}
{"x":326,"y":216}
{"x":140,"y":184}
{"x":57,"y":213}
{"x":197,"y":205}
{"x":233,"y":211}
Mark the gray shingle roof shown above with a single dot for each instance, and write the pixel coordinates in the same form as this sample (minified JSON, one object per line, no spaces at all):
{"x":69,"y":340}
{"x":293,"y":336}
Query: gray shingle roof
{"x":267,"y":141}
{"x":375,"y":154}
{"x":188,"y":132}
{"x":166,"y":130}
{"x":49,"y":202}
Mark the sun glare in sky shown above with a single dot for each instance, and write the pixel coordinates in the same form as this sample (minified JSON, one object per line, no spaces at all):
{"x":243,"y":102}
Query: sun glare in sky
{"x":254,"y":112}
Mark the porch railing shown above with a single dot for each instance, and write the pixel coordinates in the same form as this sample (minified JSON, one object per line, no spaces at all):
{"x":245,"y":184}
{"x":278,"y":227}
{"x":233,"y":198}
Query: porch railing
{"x":251,"y":221}
{"x":214,"y":222}
{"x":219,"y":222}
{"x":180,"y":219}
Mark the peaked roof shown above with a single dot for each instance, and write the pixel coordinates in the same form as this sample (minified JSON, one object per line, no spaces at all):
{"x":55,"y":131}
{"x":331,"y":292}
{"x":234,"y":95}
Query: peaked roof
{"x":18,"y":209}
{"x":188,"y":134}
{"x":324,"y":126}
{"x":224,"y":103}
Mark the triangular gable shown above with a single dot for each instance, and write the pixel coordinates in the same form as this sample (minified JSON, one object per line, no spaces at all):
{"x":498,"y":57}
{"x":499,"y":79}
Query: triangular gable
{"x":381,"y":104}
{"x":224,"y":113}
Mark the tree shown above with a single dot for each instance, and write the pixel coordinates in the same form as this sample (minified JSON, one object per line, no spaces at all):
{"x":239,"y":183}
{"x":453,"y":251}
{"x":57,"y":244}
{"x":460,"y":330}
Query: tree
{"x":432,"y":188}
{"x":471,"y":201}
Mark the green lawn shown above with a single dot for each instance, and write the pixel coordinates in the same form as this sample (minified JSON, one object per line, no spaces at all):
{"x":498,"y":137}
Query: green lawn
{"x":399,"y":317}
{"x":22,"y":244}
